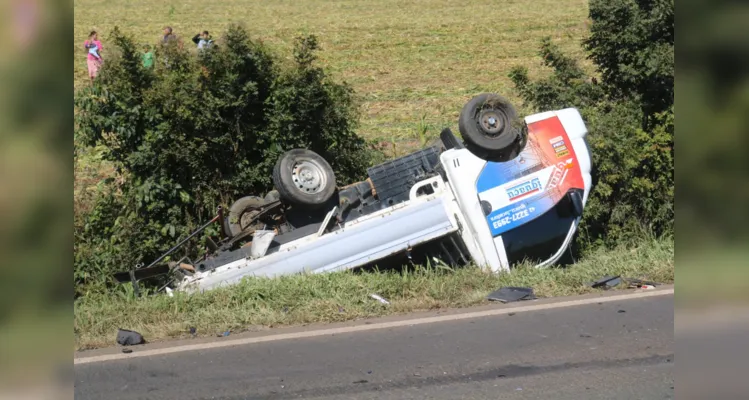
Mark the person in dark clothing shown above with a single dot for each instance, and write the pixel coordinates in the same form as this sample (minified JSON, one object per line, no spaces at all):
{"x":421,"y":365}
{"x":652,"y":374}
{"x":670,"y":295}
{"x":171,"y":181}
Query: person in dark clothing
{"x":169,"y":36}
{"x":203,"y":40}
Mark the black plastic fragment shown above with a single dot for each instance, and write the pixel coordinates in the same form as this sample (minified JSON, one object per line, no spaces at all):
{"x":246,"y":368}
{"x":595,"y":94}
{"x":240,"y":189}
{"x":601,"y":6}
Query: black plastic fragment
{"x":607,"y":282}
{"x":512,"y":293}
{"x":129,"y":338}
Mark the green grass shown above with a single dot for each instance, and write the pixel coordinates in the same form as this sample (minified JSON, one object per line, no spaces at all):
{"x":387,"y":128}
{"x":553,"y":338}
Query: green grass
{"x":404,"y":59}
{"x":301,"y":299}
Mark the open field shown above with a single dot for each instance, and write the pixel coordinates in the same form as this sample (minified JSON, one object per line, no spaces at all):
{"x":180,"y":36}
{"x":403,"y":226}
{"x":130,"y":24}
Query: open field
{"x":259,"y":303}
{"x":413,"y":63}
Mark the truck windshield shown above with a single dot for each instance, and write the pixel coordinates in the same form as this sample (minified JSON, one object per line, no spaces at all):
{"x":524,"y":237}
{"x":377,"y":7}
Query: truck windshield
{"x":540,"y":239}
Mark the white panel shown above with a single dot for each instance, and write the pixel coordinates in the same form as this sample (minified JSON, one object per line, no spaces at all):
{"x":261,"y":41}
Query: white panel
{"x":367,"y":239}
{"x":463,"y":169}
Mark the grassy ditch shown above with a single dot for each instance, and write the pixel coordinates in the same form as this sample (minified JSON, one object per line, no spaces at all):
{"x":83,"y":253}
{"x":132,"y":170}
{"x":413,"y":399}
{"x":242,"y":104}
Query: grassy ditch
{"x":259,"y":303}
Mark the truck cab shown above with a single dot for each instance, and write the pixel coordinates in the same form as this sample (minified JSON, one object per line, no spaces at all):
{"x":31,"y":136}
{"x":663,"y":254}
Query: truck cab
{"x":528,"y":207}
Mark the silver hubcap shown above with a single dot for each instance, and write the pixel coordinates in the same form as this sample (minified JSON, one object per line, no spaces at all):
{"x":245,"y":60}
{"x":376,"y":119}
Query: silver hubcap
{"x":308,"y":176}
{"x":490,"y":122}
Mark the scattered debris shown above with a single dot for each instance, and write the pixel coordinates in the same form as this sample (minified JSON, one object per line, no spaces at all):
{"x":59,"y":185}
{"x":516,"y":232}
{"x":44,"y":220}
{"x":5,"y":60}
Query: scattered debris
{"x":621,"y":311}
{"x":640,"y":284}
{"x":511,"y":293}
{"x":129,"y":338}
{"x":378,"y":298}
{"x":584,"y":335}
{"x":224,"y":334}
{"x":607,"y":282}
{"x":511,"y":314}
{"x":361,"y":381}
{"x":169,"y":291}
{"x":261,"y":241}
{"x":417,"y":374}
{"x":126,"y":351}
{"x":193,"y":330}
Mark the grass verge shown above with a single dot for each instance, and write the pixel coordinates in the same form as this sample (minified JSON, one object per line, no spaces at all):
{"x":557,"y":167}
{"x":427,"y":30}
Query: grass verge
{"x":259,"y":303}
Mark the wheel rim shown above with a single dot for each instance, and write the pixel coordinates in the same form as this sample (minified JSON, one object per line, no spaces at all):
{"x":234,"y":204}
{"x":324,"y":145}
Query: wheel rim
{"x":309,"y":176}
{"x":490,"y":122}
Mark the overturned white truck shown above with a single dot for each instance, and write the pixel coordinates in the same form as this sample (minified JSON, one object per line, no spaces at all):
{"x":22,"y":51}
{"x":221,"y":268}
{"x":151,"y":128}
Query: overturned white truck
{"x":512,"y":190}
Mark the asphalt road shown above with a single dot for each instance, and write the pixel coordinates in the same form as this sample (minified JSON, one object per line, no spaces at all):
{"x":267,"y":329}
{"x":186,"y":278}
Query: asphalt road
{"x":610,"y":350}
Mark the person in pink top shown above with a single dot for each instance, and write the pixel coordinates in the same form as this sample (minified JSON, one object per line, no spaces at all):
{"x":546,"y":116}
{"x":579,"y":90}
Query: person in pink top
{"x":93,"y":47}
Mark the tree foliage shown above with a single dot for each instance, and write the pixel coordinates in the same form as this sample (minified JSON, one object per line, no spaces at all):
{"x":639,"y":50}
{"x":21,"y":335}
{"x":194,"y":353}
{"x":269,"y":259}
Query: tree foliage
{"x":629,"y":113}
{"x":198,"y":131}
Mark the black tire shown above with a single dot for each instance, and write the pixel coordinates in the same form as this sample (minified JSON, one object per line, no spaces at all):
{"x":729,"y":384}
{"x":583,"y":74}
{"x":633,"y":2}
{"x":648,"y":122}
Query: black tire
{"x":302,"y":177}
{"x":449,"y":140}
{"x":489,"y":126}
{"x":241,"y":212}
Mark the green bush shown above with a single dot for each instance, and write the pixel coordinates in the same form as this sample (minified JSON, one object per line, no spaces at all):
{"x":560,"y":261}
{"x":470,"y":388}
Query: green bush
{"x":629,"y":113}
{"x":195,"y":132}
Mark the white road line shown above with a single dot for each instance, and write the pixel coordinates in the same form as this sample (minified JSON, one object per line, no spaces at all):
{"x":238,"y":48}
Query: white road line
{"x":370,"y":327}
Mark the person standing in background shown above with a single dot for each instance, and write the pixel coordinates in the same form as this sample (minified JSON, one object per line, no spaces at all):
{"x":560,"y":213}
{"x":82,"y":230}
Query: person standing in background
{"x":147,"y":57}
{"x":94,"y":60}
{"x":203,"y":40}
{"x":169,"y":37}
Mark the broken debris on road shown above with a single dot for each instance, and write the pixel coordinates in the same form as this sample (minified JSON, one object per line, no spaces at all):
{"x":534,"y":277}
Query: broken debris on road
{"x":639,"y":283}
{"x":129,"y":338}
{"x":379,"y":298}
{"x":608,"y":282}
{"x":512,"y":293}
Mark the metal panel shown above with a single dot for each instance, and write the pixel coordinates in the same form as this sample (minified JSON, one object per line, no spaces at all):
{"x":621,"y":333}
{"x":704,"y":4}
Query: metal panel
{"x":463,"y":168}
{"x":359,"y":243}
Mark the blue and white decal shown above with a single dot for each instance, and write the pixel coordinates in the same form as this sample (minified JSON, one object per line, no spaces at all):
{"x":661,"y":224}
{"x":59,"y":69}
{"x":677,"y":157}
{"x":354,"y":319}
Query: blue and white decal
{"x":524,"y":189}
{"x":516,"y":201}
{"x":515,"y":192}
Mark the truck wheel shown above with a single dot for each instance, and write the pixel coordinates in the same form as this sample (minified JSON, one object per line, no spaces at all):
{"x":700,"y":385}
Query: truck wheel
{"x":304,"y":178}
{"x":488,"y":124}
{"x":241,"y":213}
